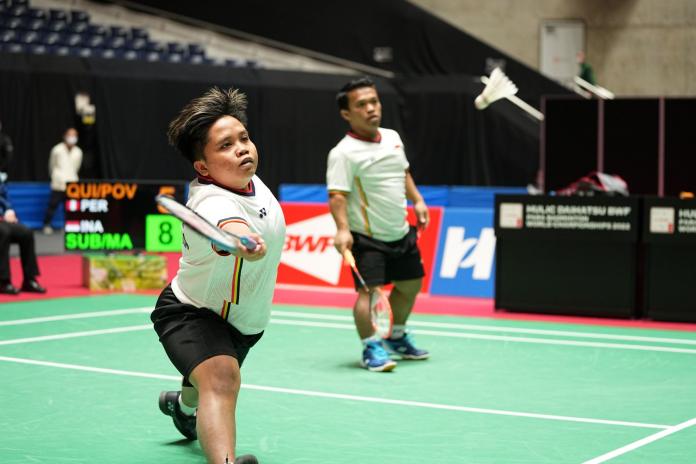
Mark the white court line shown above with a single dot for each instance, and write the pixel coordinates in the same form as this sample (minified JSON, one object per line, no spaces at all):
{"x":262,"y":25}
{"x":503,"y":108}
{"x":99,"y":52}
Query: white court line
{"x":341,"y":396}
{"x":494,"y":328}
{"x":65,"y":317}
{"x":326,"y":325}
{"x":86,"y":333}
{"x":330,"y":325}
{"x":332,"y":317}
{"x":316,"y":288}
{"x":506,"y":338}
{"x":643,"y":442}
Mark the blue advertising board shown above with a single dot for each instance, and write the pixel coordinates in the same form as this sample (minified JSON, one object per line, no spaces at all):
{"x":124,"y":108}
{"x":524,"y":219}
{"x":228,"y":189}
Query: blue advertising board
{"x":465,"y":262}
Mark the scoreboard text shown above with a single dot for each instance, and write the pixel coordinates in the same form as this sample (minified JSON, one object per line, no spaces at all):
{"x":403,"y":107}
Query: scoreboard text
{"x":121,"y":216}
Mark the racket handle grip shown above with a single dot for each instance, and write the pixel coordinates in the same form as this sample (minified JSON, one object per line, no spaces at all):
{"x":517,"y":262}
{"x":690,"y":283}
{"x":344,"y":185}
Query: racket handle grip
{"x":348,"y":257}
{"x":248,"y":242}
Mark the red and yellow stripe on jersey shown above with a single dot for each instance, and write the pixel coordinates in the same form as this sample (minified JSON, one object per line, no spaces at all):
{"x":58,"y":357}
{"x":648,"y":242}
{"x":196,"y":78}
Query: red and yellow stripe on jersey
{"x":234,"y":296}
{"x":236,"y":279}
{"x":236,"y":274}
{"x":225,"y":311}
{"x":364,"y":204}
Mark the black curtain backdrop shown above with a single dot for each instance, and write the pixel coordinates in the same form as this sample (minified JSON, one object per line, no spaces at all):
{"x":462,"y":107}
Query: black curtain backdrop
{"x":451,"y":142}
{"x":37,"y":108}
{"x":293,"y":119}
{"x":421,"y":43}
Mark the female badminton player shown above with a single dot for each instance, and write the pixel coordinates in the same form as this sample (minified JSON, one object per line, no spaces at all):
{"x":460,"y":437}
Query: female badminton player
{"x":218,"y":304}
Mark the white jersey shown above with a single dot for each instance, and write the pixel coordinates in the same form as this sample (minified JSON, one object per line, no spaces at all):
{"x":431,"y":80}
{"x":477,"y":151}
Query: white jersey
{"x":63,"y":165}
{"x":374,"y":175}
{"x":238,"y":290}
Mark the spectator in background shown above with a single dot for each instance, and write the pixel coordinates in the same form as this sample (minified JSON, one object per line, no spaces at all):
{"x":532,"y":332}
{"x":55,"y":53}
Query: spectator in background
{"x":12,"y":231}
{"x":585,"y":71}
{"x":63,"y":165}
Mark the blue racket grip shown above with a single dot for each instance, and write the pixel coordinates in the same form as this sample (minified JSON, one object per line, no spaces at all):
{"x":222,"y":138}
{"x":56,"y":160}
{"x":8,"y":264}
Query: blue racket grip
{"x":248,"y":242}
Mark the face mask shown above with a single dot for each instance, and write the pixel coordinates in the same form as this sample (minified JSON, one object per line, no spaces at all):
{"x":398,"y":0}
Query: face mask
{"x":71,"y":140}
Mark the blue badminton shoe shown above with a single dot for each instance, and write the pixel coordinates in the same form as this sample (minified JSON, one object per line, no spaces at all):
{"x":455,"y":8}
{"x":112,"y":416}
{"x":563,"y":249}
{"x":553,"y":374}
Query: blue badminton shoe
{"x":375,"y":358}
{"x":169,"y":405}
{"x":405,"y":348}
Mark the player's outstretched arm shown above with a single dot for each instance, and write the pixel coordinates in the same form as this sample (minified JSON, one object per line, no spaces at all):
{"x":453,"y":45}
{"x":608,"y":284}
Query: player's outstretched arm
{"x":241,"y":251}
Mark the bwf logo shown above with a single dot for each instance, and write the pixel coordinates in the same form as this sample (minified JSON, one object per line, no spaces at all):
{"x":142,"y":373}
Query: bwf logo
{"x":309,"y":248}
{"x":464,"y":253}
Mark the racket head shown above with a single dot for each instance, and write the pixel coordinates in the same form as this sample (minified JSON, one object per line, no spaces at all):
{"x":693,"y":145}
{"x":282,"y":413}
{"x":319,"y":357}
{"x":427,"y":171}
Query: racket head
{"x":195,"y":221}
{"x":381,"y":313}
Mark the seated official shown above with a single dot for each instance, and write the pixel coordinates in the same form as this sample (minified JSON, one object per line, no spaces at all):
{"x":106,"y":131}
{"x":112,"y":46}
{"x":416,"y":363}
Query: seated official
{"x":12,"y":231}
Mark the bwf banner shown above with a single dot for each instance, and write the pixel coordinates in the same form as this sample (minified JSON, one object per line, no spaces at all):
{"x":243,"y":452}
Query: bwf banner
{"x":309,"y":257}
{"x":465,"y":264}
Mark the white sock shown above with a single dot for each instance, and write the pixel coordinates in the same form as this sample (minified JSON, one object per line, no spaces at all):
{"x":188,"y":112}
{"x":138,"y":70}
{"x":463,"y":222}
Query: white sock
{"x":188,"y":410}
{"x":398,"y":331}
{"x":371,"y":338}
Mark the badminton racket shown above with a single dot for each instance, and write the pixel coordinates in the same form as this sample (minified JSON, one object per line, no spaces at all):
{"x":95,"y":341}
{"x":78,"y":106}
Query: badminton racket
{"x":380,"y":309}
{"x":221,"y":238}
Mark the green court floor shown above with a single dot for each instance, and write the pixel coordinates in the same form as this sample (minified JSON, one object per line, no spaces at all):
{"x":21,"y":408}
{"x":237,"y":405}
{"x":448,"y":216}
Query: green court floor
{"x":81,"y":378}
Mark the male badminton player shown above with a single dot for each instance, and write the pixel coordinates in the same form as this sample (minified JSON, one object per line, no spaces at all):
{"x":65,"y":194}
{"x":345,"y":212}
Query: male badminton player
{"x":368,"y":182}
{"x":219,"y":302}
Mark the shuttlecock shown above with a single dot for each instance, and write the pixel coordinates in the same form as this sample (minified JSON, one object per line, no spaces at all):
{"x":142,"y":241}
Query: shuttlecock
{"x":497,"y":86}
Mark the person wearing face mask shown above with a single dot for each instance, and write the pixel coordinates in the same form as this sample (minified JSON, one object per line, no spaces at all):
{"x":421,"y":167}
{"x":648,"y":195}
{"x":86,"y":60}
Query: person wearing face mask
{"x":63,"y":165}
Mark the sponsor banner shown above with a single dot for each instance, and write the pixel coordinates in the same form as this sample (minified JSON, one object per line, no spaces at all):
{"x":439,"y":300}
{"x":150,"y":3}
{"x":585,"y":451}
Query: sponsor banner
{"x":309,"y":257}
{"x":427,"y":243}
{"x":465,"y":264}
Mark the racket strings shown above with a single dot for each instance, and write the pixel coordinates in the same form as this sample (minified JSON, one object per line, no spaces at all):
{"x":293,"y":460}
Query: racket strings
{"x":381,"y":313}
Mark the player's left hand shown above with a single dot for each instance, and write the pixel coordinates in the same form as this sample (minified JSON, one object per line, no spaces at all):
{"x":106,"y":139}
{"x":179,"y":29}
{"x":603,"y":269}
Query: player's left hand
{"x":10,"y":216}
{"x":422,"y":214}
{"x":255,"y":254}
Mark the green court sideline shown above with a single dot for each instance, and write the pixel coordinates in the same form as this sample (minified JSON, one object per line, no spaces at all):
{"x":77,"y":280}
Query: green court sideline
{"x":81,"y":378}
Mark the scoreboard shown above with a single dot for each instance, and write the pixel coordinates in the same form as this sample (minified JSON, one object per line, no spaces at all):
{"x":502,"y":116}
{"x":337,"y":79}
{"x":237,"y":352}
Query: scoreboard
{"x":121,"y":216}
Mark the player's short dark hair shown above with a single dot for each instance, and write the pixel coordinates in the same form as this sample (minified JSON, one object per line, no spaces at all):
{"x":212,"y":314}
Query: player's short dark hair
{"x":188,"y":132}
{"x":342,"y":95}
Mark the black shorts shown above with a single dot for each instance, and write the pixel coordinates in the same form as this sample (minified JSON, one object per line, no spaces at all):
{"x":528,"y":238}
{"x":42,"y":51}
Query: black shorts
{"x":381,"y":262}
{"x":190,"y":335}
